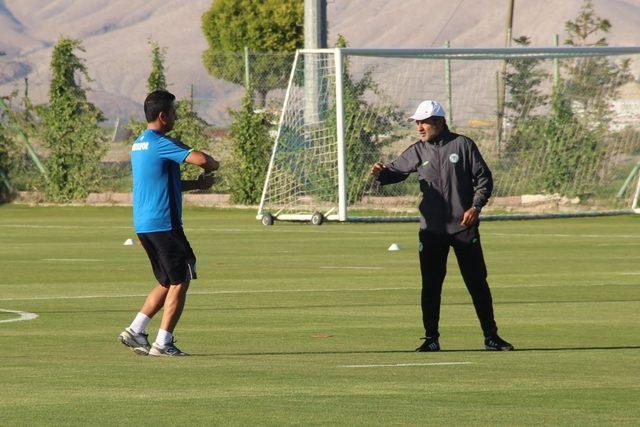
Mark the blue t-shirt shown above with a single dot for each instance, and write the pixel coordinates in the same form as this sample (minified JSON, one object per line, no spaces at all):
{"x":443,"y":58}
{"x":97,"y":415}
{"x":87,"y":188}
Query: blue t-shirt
{"x":157,"y":188}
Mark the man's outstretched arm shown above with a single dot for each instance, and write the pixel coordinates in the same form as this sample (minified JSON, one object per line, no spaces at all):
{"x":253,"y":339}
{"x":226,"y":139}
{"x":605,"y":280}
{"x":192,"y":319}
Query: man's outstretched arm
{"x":208,"y":164}
{"x":205,"y":161}
{"x":398,"y":170}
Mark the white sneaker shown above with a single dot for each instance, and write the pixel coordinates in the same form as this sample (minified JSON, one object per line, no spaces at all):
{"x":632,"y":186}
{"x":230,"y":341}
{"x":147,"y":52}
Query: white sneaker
{"x":169,"y":350}
{"x":138,"y":343}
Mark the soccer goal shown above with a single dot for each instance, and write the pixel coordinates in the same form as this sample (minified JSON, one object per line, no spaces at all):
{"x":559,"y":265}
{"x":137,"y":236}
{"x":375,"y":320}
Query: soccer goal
{"x":559,"y":127}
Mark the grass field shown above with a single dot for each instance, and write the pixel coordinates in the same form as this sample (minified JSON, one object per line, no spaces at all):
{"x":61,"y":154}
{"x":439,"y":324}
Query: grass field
{"x":284,"y":330}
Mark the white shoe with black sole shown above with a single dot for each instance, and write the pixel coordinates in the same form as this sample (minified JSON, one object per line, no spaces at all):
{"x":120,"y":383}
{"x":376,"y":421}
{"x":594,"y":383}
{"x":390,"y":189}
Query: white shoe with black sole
{"x":169,"y":350}
{"x":138,"y":343}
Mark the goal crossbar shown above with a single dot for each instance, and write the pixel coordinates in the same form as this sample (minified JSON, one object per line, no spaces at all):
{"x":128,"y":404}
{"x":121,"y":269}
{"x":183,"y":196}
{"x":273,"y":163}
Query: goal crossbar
{"x":495,"y":53}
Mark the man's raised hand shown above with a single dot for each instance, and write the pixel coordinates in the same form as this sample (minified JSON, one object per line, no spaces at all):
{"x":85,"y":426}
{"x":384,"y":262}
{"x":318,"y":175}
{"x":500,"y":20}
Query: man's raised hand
{"x":376,"y":168}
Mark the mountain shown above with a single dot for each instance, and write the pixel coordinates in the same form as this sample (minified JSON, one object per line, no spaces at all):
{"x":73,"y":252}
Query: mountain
{"x":115,"y":35}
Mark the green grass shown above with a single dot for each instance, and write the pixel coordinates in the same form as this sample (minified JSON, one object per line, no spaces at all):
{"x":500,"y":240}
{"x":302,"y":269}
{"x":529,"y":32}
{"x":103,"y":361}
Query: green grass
{"x":566,"y":293}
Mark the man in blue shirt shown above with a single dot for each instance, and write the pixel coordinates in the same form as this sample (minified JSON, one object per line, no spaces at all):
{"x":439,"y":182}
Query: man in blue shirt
{"x":157,"y":219}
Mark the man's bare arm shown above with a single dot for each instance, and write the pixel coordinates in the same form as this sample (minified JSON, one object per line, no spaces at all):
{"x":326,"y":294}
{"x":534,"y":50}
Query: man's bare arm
{"x":208,"y":164}
{"x":205,"y":161}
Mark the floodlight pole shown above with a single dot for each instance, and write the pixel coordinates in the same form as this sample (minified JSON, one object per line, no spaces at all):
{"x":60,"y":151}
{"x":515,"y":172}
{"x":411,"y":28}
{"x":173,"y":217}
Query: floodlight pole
{"x":247,"y":71}
{"x":447,"y":83}
{"x":315,"y":37}
{"x":556,"y":65}
{"x":501,"y":83}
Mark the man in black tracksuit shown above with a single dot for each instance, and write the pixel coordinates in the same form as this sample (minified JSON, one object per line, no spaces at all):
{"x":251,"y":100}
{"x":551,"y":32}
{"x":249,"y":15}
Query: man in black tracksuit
{"x":455,"y":183}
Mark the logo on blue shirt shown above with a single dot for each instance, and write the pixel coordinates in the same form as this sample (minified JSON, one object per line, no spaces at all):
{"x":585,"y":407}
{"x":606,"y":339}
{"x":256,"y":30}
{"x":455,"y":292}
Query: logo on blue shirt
{"x":157,"y":187}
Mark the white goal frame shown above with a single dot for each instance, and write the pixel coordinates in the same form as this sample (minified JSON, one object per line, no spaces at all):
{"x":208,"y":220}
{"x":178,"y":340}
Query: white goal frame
{"x":342,"y":212}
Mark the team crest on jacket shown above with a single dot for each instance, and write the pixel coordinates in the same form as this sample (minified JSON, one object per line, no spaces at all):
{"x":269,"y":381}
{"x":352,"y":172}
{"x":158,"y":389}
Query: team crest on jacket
{"x":454,"y":158}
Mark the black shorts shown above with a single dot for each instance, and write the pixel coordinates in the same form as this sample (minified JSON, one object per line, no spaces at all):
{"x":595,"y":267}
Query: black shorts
{"x":171,"y":256}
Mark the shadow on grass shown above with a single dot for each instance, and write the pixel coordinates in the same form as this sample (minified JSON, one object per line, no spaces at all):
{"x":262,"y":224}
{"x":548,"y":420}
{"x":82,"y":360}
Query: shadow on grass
{"x":320,"y":353}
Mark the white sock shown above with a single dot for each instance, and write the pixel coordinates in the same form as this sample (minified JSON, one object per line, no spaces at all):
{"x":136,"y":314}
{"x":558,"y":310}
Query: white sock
{"x":164,"y":337}
{"x":139,"y":324}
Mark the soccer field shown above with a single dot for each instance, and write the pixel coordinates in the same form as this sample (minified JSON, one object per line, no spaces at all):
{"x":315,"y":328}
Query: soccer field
{"x":297,"y":324}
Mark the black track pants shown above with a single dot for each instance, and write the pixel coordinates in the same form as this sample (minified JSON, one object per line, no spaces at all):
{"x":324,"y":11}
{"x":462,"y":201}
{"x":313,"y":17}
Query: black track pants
{"x":434,"y":249}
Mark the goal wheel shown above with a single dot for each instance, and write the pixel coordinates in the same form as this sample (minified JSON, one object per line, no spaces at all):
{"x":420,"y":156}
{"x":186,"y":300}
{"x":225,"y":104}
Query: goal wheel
{"x":267,"y":219}
{"x":317,"y":218}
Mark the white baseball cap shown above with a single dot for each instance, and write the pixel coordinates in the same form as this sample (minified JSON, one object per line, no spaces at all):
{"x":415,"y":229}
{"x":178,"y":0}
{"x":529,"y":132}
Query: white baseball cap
{"x":428,"y":109}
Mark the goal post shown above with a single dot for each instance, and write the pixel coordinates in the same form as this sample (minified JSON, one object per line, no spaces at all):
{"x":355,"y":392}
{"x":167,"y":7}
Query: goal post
{"x":567,"y":142}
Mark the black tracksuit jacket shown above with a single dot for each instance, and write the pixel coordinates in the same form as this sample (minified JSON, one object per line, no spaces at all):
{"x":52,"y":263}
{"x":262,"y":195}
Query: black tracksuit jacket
{"x":453,"y":177}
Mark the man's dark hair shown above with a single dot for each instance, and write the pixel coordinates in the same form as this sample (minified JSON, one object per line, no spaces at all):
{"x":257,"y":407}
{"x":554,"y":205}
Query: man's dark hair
{"x":156,"y":102}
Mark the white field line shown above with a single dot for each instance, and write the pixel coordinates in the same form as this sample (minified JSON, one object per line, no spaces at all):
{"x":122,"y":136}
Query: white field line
{"x":107,"y":227}
{"x":397,"y":365}
{"x":24,"y":315}
{"x":350,"y":268}
{"x":248,"y":291}
{"x":275,"y":291}
{"x":198,"y":229}
{"x":595,"y":236}
{"x":65,"y":227}
{"x":73,"y":259}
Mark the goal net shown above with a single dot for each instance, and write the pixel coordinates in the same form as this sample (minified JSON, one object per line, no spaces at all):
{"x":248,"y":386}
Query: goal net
{"x":559,"y":128}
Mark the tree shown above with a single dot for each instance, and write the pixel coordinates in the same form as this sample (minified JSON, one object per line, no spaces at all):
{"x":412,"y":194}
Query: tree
{"x":251,"y":150}
{"x":70,"y":127}
{"x":591,"y":83}
{"x":569,"y":143}
{"x":156,"y":79}
{"x":190,"y":129}
{"x":265,"y":26}
{"x":189,"y":126}
{"x":570,"y":149}
{"x":6,"y":190}
{"x":586,"y":91}
{"x":522,"y":81}
{"x":15,"y":125}
{"x":7,"y":148}
{"x":586,"y":25}
{"x":18,"y":125}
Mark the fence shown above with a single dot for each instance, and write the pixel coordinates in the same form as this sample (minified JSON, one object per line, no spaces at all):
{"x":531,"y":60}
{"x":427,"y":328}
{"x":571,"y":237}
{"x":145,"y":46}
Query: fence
{"x":118,"y":90}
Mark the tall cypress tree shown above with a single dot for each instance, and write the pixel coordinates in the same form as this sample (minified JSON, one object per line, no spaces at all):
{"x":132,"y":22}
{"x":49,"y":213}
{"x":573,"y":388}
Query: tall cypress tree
{"x":70,"y":127}
{"x":591,"y":83}
{"x":251,"y":150}
{"x":189,"y":127}
{"x":157,"y":79}
{"x":5,"y":186}
{"x":6,"y":146}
